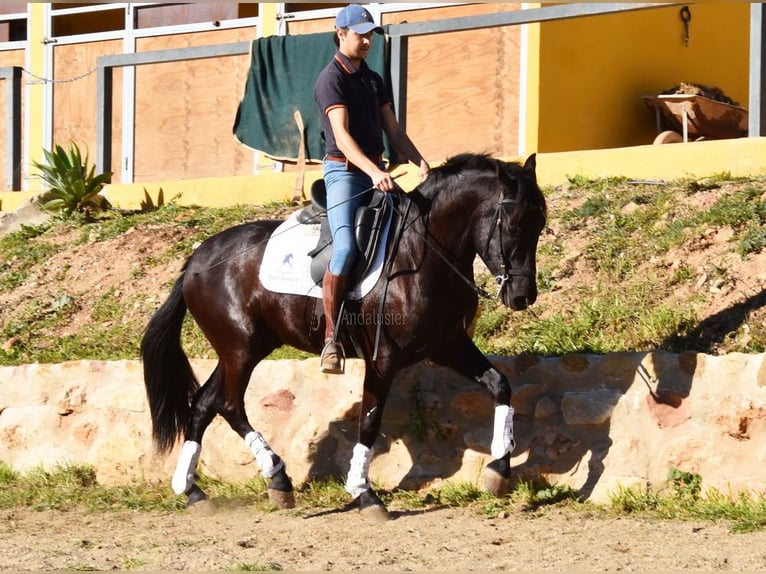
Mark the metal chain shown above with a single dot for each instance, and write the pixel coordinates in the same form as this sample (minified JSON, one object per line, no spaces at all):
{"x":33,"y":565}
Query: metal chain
{"x":42,"y":80}
{"x":686,"y":17}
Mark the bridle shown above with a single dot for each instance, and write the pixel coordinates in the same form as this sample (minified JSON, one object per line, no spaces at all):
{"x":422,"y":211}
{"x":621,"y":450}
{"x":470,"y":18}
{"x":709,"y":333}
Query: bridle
{"x":497,"y":223}
{"x":501,"y":280}
{"x":508,"y":271}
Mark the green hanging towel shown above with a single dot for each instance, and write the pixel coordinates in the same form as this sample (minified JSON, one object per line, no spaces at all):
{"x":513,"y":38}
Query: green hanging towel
{"x":283,"y":70}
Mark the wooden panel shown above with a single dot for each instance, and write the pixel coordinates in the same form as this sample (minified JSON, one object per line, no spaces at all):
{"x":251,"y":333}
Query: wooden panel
{"x":311,"y":26}
{"x":7,"y":59}
{"x":185,"y":111}
{"x":304,"y":6}
{"x":11,"y":58}
{"x":463,"y":87}
{"x":5,"y":185}
{"x":74,"y":97}
{"x":168,"y":15}
{"x":13,"y":8}
{"x":440,"y":13}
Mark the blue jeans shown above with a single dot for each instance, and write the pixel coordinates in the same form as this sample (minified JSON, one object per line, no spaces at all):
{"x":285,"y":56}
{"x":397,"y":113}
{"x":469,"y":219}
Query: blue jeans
{"x":345,"y":192}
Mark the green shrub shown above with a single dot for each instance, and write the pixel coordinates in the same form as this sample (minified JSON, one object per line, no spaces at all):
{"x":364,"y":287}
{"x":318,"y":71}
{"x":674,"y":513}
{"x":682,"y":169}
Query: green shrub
{"x":73,"y":187}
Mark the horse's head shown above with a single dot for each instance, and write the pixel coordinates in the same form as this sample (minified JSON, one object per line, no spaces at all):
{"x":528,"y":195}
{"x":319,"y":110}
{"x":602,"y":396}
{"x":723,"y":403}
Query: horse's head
{"x":510,"y":226}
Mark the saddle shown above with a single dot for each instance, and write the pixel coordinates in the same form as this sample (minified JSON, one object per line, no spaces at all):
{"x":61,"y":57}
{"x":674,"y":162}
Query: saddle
{"x":369,"y":222}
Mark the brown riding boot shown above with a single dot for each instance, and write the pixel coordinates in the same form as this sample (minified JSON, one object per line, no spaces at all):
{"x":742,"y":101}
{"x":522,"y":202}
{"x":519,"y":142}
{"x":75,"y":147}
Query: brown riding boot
{"x":333,"y":292}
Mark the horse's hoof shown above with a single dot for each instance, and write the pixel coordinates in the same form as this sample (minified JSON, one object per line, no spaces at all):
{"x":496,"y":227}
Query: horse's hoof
{"x":372,"y":507}
{"x":198,"y":502}
{"x":195,"y":495}
{"x":280,"y":490}
{"x":495,"y":483}
{"x":281,"y":499}
{"x":204,"y":507}
{"x":375,"y":513}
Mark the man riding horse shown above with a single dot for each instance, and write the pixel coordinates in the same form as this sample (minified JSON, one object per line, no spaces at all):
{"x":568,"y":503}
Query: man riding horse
{"x":356,"y":109}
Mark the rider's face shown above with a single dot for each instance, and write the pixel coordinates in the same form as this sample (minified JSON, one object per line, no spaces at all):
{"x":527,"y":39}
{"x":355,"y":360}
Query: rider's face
{"x":353,"y":44}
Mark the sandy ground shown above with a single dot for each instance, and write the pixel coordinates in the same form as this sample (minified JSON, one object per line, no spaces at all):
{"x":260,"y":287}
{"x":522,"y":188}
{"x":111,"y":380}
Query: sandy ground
{"x":446,"y":539}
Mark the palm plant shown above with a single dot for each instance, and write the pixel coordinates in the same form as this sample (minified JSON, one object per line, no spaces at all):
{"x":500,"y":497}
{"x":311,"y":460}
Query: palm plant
{"x":72,"y":185}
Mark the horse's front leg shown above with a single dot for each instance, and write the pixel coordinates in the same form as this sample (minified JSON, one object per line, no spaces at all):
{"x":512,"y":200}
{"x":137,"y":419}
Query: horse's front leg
{"x":465,"y":358}
{"x":370,"y":417}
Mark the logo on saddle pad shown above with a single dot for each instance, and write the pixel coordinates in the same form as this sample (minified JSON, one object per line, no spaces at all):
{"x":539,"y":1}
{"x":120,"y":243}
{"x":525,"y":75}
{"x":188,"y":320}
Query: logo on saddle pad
{"x":299,"y":244}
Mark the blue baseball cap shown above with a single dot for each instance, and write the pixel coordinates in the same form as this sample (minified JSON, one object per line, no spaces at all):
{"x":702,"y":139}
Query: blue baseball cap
{"x":357,"y":18}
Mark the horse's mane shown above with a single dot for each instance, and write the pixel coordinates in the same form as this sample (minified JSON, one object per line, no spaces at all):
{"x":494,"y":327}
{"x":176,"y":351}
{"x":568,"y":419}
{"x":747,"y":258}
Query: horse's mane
{"x":450,"y":172}
{"x":456,"y":166}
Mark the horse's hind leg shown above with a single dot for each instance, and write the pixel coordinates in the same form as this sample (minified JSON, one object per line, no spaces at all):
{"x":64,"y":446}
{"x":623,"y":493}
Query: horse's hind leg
{"x":202,"y":413}
{"x":217,"y":396}
{"x":280,"y":488}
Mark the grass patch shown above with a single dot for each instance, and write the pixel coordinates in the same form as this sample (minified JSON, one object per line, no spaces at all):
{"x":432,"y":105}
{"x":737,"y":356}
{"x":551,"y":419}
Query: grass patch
{"x":625,"y":304}
{"x":19,"y":256}
{"x":254,"y":567}
{"x":72,"y":486}
{"x":683,"y":499}
{"x":605,"y":321}
{"x":68,"y":487}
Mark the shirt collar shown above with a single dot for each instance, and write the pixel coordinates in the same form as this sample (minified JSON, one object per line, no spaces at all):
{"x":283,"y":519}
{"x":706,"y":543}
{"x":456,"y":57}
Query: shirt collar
{"x":345,"y":64}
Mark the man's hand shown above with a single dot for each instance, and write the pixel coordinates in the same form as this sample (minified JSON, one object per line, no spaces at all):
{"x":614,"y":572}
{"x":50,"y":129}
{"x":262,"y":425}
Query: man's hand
{"x":423,"y":170}
{"x":383,"y":181}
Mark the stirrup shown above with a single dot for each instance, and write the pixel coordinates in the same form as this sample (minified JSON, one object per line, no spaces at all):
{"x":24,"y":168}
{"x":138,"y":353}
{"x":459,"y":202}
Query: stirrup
{"x":333,"y":358}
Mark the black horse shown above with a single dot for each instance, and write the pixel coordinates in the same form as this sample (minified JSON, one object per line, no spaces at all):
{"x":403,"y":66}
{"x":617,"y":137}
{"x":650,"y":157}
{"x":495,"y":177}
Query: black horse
{"x":472,"y":204}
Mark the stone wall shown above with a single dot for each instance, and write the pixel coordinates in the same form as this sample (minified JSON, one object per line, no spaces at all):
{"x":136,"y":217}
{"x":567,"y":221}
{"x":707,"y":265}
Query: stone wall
{"x":593,"y":422}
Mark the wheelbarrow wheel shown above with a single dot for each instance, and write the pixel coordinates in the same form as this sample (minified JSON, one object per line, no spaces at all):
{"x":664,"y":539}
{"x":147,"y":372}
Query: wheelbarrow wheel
{"x":667,"y":137}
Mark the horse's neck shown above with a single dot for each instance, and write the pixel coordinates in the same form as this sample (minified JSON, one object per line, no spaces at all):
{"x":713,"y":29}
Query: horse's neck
{"x":446,"y":225}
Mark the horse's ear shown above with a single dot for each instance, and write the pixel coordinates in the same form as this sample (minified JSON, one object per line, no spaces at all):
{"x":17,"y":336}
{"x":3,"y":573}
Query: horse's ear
{"x":531,"y":163}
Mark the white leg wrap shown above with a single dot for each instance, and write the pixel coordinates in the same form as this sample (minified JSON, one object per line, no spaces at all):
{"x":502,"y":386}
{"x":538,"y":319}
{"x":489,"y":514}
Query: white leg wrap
{"x":264,"y":456}
{"x":186,"y":469}
{"x":502,"y":436}
{"x":358,"y":474}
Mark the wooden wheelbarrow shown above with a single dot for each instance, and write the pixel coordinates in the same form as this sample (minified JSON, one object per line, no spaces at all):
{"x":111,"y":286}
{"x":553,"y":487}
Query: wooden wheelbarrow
{"x":681,"y":117}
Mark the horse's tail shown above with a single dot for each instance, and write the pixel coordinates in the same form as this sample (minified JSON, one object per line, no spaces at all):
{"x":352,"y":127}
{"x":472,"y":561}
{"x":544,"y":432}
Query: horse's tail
{"x":168,"y":376}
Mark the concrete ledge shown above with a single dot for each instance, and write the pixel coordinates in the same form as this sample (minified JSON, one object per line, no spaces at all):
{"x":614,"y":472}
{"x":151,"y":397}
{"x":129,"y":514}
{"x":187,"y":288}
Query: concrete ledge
{"x":211,"y":191}
{"x":744,"y":157}
{"x":12,"y":200}
{"x":740,"y":157}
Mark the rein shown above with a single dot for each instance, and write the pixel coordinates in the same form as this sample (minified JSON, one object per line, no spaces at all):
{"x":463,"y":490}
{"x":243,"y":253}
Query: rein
{"x":501,"y":280}
{"x":320,"y":212}
{"x":474,"y":287}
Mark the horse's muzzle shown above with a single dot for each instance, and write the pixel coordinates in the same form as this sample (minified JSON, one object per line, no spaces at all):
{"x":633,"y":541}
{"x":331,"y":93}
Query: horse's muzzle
{"x":518,"y":294}
{"x":518,"y":303}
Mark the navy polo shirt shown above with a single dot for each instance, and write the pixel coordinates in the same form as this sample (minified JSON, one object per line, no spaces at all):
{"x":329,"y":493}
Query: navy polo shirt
{"x":363,"y":93}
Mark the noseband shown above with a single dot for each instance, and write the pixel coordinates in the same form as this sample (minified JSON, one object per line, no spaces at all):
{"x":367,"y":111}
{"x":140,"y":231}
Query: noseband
{"x":497,"y":224}
{"x":508,"y":272}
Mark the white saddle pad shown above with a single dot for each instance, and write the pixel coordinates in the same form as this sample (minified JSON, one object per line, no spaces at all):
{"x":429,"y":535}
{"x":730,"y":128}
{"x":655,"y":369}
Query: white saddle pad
{"x":286,"y":266}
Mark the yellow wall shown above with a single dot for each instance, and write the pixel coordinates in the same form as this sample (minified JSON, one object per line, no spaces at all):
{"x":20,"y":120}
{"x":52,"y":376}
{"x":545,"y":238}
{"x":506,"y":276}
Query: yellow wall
{"x":34,"y":131}
{"x":740,"y":157}
{"x":531,"y":96}
{"x":593,"y":71}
